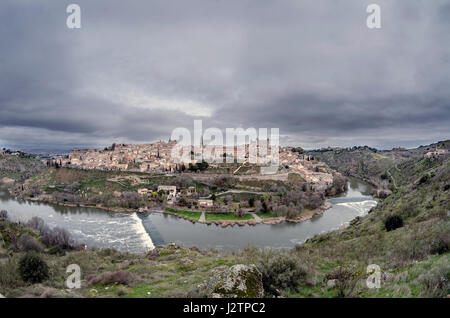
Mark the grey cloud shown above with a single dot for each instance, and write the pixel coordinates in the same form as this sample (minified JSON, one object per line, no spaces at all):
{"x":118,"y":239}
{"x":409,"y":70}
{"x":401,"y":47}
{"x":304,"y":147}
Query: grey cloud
{"x":311,"y":68}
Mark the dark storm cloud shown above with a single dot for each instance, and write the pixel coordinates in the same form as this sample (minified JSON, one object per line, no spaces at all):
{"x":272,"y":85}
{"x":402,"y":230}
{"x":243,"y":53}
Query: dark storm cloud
{"x":136,"y":70}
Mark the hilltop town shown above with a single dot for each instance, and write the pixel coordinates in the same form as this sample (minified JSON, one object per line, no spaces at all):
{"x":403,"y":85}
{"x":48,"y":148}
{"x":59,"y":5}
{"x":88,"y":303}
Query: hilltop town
{"x":157,"y":158}
{"x":146,"y":178}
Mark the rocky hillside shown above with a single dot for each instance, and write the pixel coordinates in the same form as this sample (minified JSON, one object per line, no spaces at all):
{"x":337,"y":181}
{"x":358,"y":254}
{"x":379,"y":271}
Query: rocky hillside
{"x":372,"y":165}
{"x":18,"y":166}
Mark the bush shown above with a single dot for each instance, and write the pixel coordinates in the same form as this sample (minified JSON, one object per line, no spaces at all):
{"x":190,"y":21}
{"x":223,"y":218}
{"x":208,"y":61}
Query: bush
{"x":436,"y":281}
{"x":51,"y":237}
{"x":441,"y":244}
{"x":33,"y":269}
{"x":27,"y":243}
{"x":9,"y":277}
{"x":393,"y":222}
{"x":3,"y":215}
{"x":346,"y":278}
{"x":292,"y":213}
{"x":56,"y":250}
{"x":38,"y":224}
{"x":119,"y":277}
{"x":424,"y":179}
{"x":282,"y":272}
{"x":239,"y":213}
{"x":57,"y":236}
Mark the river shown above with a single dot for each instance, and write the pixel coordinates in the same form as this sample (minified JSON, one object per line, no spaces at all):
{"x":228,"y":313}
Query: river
{"x":140,"y":232}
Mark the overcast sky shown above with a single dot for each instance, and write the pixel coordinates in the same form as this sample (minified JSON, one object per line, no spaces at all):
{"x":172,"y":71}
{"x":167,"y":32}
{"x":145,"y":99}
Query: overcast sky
{"x":138,"y":69}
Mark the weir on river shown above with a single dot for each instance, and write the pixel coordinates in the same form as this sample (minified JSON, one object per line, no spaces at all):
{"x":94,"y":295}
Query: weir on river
{"x":140,"y":232}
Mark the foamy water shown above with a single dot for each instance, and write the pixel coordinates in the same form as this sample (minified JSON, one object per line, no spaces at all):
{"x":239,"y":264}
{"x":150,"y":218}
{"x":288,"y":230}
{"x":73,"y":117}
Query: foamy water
{"x":140,"y":230}
{"x":362,"y":207}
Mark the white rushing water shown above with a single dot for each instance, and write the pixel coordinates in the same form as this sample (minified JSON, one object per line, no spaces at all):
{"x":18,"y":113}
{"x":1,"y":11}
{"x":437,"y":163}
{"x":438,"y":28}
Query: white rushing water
{"x":140,"y":230}
{"x":361,"y":207}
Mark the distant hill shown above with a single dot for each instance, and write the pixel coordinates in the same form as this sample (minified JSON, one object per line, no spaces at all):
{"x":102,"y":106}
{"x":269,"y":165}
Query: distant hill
{"x":372,"y":165}
{"x":18,"y":165}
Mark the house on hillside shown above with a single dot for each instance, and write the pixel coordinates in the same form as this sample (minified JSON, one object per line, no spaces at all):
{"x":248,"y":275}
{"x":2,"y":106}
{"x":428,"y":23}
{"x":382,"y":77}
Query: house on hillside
{"x":170,"y":190}
{"x":435,"y":153}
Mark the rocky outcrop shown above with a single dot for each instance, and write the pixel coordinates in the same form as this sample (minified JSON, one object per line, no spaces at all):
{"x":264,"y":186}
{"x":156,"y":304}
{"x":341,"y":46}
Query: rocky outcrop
{"x":238,"y":281}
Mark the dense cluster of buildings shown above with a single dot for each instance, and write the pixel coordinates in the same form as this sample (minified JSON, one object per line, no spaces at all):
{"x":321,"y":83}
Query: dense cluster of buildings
{"x":305,"y":165}
{"x":157,"y":157}
{"x":154,"y":157}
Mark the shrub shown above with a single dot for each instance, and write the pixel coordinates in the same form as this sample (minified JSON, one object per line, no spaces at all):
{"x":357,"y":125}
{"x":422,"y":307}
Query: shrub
{"x":51,"y":237}
{"x":441,"y":243}
{"x":27,"y":243}
{"x":56,"y":250}
{"x":292,"y":213}
{"x":436,"y":281}
{"x":3,"y":215}
{"x":57,"y":236}
{"x":424,"y":179}
{"x":439,"y":246}
{"x":393,"y":222}
{"x":239,"y":213}
{"x":282,"y":272}
{"x":9,"y":277}
{"x":119,"y":277}
{"x":33,"y":269}
{"x":38,"y":224}
{"x":346,"y":278}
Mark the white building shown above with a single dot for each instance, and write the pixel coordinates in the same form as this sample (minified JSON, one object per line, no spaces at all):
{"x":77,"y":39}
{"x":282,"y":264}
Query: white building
{"x":205,"y":203}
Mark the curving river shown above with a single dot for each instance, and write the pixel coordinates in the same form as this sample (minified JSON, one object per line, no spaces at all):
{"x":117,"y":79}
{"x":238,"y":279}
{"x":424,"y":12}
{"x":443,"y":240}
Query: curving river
{"x":139,"y":232}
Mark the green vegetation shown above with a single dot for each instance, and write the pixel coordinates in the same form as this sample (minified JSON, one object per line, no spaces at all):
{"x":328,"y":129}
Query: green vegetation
{"x":19,"y":166}
{"x":192,"y":215}
{"x":266,"y":215}
{"x":282,"y":273}
{"x":33,"y":269}
{"x":361,"y":162}
{"x":393,"y":222}
{"x":226,"y":216}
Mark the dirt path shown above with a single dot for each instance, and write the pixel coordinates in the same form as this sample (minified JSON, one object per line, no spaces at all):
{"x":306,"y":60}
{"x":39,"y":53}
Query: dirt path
{"x":393,"y":179}
{"x":257,"y":218}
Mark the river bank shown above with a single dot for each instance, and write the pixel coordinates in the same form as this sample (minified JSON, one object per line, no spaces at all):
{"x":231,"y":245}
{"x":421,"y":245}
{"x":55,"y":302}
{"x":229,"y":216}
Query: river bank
{"x":304,"y":216}
{"x":134,"y":231}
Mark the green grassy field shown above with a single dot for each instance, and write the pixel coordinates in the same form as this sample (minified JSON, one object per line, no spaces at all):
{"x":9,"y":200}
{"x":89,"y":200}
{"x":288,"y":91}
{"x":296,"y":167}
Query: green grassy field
{"x":226,"y":216}
{"x":267,"y":215}
{"x":193,"y":215}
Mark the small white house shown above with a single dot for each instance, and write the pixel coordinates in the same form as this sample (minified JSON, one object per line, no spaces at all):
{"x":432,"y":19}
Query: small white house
{"x":142,"y":191}
{"x":170,"y":190}
{"x":205,"y":203}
